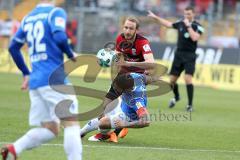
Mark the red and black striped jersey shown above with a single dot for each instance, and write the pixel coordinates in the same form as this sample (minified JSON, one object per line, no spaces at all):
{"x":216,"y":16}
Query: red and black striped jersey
{"x":133,"y":51}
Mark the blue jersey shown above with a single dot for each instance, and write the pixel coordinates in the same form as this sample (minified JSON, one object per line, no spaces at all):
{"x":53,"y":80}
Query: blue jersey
{"x":37,"y":30}
{"x":132,"y":101}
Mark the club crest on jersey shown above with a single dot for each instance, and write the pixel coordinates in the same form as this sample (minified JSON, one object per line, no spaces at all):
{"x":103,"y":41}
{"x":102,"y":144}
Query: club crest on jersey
{"x":146,"y":48}
{"x":186,"y":35}
{"x":60,"y":22}
{"x":134,"y":52}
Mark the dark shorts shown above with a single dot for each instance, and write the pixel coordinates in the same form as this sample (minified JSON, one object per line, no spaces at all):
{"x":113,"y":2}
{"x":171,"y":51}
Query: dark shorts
{"x":183,"y":62}
{"x":112,"y":94}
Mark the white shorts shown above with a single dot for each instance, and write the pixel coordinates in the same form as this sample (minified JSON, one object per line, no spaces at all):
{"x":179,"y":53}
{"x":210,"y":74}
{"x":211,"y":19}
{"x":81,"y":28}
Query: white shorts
{"x":43,"y":103}
{"x":117,"y":114}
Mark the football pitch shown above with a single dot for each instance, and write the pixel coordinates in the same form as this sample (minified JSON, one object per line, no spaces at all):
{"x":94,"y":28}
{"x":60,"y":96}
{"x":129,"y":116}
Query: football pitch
{"x":211,"y":132}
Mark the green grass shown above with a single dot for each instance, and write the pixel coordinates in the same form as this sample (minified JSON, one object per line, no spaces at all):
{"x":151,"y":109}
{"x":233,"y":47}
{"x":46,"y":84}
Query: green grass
{"x":211,"y":133}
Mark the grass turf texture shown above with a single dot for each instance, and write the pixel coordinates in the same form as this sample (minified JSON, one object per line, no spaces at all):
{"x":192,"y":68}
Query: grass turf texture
{"x":210,"y":132}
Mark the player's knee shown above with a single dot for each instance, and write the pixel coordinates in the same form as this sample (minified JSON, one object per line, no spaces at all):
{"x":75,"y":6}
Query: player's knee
{"x":172,"y":82}
{"x":188,"y":79}
{"x":105,"y":123}
{"x":52,"y":126}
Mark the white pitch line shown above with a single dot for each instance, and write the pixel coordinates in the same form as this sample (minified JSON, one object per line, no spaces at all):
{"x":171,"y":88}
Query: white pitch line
{"x":144,"y":148}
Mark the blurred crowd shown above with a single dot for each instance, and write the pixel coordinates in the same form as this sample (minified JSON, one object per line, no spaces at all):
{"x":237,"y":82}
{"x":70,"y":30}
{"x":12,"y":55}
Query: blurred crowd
{"x":219,"y":32}
{"x":164,"y":7}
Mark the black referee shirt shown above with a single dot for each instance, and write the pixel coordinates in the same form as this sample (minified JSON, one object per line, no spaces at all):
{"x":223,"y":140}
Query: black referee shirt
{"x":185,"y":43}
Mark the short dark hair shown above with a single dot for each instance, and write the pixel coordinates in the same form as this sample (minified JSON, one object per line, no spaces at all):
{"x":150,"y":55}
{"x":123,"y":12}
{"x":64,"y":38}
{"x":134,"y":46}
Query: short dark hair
{"x":188,"y":8}
{"x":134,"y":20}
{"x":124,"y":81}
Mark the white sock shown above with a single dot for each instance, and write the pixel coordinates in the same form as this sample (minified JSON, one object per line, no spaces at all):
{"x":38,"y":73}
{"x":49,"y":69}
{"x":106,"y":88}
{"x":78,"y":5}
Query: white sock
{"x":72,"y":143}
{"x":90,"y":126}
{"x":33,"y":138}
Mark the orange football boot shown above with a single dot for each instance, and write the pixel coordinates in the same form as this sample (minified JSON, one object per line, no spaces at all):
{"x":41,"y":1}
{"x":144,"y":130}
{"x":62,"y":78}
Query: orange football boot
{"x":113,"y":137}
{"x":123,"y":133}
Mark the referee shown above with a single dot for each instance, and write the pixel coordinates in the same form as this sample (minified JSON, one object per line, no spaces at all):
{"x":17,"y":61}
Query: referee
{"x":189,"y":32}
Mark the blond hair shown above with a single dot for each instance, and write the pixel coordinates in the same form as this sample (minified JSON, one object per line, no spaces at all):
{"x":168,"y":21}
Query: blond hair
{"x":134,"y":20}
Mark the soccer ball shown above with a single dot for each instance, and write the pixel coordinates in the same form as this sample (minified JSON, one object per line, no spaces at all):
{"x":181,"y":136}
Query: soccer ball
{"x":105,"y":57}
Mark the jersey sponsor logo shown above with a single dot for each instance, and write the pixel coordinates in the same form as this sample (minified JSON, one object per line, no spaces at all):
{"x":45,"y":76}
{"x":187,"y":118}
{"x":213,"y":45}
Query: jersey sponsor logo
{"x":146,"y":48}
{"x":60,"y":22}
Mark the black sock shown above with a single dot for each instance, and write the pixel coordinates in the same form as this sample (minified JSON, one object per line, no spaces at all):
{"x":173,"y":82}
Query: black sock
{"x":175,"y":91}
{"x":117,"y":131}
{"x":190,"y":93}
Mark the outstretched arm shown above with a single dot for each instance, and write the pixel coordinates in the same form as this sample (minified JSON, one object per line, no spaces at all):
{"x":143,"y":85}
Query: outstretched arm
{"x":160,"y":20}
{"x":147,"y":64}
{"x":143,"y":121}
{"x":151,"y":79}
{"x":142,"y":65}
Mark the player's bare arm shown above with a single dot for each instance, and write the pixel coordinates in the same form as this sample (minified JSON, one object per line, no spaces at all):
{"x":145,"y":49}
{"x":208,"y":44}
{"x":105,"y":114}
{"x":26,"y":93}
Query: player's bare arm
{"x":160,"y":20}
{"x":151,"y":79}
{"x":194,"y":35}
{"x":149,"y":58}
{"x":142,"y":65}
{"x":144,"y":121}
{"x":147,"y":64}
